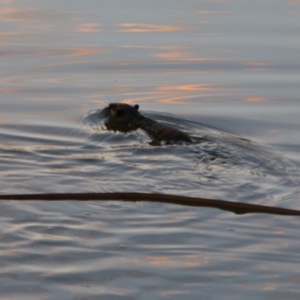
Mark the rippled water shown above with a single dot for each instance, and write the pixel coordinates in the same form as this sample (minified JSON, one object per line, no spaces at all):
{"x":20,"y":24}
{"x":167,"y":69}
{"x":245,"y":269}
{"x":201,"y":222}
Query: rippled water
{"x":225,"y":72}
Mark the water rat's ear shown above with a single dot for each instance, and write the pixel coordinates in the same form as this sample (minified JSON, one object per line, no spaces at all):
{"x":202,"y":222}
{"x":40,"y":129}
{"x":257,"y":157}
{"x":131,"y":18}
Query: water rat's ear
{"x":136,"y":107}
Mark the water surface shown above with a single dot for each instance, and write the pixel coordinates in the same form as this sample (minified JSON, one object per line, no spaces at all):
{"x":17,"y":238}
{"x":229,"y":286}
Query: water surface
{"x":226,"y":72}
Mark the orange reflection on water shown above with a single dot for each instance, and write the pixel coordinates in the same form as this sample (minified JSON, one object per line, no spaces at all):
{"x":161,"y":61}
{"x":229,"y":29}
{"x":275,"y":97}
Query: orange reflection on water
{"x":257,"y":66}
{"x":262,"y":267}
{"x":144,"y":27}
{"x":285,"y":245}
{"x":7,"y":91}
{"x":171,"y":293}
{"x":11,"y":14}
{"x":181,"y":56}
{"x":257,"y":99}
{"x":183,"y":261}
{"x":279,"y":232}
{"x":161,"y":47}
{"x":178,"y":94}
{"x":187,"y":87}
{"x":212,"y":12}
{"x":270,"y":287}
{"x":172,"y":55}
{"x":88,"y":27}
{"x":176,"y":100}
{"x":75,"y":52}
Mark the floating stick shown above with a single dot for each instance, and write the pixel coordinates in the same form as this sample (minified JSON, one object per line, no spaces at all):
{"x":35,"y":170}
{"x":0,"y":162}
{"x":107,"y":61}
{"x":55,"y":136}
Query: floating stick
{"x":235,"y":207}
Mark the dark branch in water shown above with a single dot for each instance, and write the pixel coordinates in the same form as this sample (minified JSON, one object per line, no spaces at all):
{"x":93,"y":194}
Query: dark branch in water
{"x":235,"y":207}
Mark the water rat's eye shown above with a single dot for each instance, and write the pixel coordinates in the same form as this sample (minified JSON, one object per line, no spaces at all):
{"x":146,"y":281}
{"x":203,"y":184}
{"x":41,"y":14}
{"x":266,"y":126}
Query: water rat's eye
{"x":120,"y":112}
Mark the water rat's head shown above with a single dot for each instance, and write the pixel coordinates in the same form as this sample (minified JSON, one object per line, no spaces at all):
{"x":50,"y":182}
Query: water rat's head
{"x":122,"y":117}
{"x":124,"y":112}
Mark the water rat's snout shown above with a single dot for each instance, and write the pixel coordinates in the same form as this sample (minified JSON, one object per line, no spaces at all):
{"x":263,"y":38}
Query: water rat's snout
{"x":112,"y":108}
{"x":117,"y":113}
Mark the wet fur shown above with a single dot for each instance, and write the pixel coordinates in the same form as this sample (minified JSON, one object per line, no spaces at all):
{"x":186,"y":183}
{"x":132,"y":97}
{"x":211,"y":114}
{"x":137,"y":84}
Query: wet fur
{"x":124,"y":117}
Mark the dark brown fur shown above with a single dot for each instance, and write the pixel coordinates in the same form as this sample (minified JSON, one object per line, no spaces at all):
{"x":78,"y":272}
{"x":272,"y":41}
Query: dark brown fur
{"x":124,"y":117}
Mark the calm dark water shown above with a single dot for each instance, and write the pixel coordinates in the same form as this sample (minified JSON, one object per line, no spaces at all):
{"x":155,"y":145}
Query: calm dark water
{"x":226,"y":72}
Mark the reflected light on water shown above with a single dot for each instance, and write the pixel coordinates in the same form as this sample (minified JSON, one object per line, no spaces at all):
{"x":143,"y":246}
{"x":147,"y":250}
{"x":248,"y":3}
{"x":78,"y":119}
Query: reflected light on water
{"x":144,"y":27}
{"x":173,"y":55}
{"x":11,"y":14}
{"x":270,"y":287}
{"x":181,"y":94}
{"x":156,"y":47}
{"x":189,"y":87}
{"x":63,"y":61}
{"x":213,"y":12}
{"x":257,"y":99}
{"x":172,"y":94}
{"x":186,"y":261}
{"x":75,"y":52}
{"x":173,"y":293}
{"x":88,"y":27}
